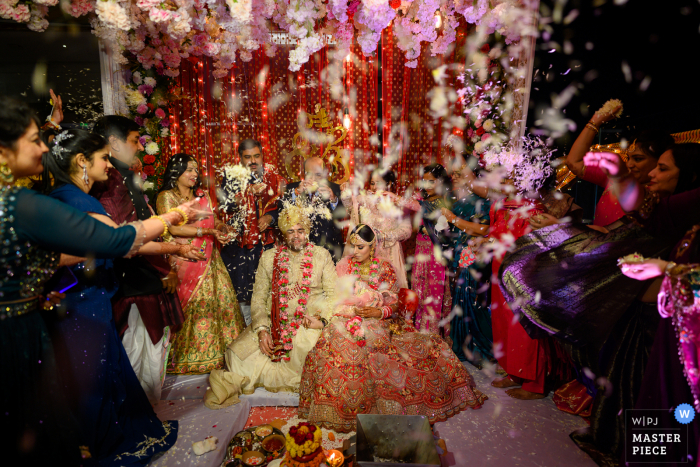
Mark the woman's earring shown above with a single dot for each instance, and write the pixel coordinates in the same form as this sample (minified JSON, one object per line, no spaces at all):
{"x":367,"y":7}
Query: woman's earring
{"x":85,"y":176}
{"x":6,"y":177}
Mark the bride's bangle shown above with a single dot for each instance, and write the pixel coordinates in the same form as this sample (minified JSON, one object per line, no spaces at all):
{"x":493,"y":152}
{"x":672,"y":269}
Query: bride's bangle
{"x":386,"y":312}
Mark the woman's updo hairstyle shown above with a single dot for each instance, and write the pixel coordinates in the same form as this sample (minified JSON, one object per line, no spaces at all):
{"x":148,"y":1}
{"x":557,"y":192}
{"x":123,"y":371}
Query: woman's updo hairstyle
{"x":177,"y":165}
{"x":687,"y":159}
{"x":59,"y":162}
{"x":364,"y":231}
{"x":653,"y":143}
{"x":389,"y":177}
{"x":15,"y":118}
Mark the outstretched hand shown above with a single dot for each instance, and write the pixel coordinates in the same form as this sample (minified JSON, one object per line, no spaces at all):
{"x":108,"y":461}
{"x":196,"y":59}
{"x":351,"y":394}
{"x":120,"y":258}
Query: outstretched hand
{"x":643,"y":270}
{"x":57,"y":114}
{"x":189,"y":251}
{"x":602,"y":118}
{"x":193,"y":211}
{"x":611,"y":163}
{"x":542,"y":220}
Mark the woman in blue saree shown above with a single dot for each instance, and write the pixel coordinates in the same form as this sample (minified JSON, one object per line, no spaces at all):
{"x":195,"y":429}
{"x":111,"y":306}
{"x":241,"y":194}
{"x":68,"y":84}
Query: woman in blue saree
{"x":113,"y":410}
{"x":38,"y":427}
{"x":470,"y":328}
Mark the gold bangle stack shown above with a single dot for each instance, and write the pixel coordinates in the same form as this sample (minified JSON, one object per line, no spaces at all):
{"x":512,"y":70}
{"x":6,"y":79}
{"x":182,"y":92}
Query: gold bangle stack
{"x":591,"y":126}
{"x":165,"y":225}
{"x":182,"y":213}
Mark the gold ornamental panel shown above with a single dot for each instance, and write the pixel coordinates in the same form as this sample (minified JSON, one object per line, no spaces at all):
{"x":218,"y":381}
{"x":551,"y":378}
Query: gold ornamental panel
{"x":333,"y":153}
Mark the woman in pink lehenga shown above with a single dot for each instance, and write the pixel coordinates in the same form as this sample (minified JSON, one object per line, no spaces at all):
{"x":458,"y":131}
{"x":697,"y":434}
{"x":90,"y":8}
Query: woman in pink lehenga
{"x":213,"y":318}
{"x":383,"y":211}
{"x":369,"y":360}
{"x":430,"y":279}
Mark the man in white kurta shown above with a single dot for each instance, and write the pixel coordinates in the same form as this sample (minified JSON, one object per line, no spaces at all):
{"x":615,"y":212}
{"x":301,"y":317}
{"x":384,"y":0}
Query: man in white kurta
{"x":248,"y":358}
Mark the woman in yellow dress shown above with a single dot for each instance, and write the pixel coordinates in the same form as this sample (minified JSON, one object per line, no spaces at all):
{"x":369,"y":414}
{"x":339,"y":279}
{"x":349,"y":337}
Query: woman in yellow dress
{"x":213,"y":318}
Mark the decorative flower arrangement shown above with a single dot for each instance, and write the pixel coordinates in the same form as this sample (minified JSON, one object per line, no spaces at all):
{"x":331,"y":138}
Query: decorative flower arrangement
{"x":483,"y":99}
{"x":290,"y":325}
{"x":163,"y":32}
{"x":146,"y":98}
{"x":529,"y":166}
{"x":354,"y":327}
{"x":303,"y":439}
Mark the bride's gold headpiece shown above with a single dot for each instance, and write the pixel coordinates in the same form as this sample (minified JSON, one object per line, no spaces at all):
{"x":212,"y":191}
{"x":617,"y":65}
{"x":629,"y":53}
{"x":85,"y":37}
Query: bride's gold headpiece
{"x":355,"y":239}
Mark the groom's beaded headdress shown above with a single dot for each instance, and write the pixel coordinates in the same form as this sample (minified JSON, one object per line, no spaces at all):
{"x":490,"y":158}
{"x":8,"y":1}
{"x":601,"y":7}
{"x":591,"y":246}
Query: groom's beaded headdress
{"x":293,"y":214}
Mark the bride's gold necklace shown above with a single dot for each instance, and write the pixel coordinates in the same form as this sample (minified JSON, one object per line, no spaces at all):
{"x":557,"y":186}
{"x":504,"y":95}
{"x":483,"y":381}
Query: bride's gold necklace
{"x":364,"y":268}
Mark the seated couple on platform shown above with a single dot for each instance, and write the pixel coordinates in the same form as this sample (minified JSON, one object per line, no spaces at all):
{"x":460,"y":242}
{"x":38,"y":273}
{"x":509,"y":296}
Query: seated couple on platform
{"x":363,"y":357}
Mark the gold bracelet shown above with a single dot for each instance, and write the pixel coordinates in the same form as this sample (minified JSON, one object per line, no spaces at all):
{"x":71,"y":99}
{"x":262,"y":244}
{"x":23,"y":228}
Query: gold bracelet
{"x":591,"y":126}
{"x":182,"y":213}
{"x":165,"y":225}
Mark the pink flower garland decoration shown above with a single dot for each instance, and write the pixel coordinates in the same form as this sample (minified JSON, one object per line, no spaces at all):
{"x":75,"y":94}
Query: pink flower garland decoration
{"x":354,"y":327}
{"x":373,"y":272}
{"x":289,"y":326}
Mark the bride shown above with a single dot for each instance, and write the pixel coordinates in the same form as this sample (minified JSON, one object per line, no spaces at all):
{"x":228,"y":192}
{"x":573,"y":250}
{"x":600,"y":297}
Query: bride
{"x":370,"y":361}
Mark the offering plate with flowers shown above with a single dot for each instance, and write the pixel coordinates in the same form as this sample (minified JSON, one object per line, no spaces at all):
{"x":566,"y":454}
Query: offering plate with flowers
{"x":259,"y":440}
{"x":304,"y":446}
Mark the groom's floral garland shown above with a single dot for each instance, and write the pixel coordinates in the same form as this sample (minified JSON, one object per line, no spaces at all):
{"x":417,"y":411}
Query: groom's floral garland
{"x":289,"y":326}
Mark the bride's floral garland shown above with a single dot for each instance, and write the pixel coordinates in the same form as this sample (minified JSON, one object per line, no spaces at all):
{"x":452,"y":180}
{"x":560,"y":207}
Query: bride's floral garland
{"x":289,"y":326}
{"x":373,"y":272}
{"x":354,"y":325}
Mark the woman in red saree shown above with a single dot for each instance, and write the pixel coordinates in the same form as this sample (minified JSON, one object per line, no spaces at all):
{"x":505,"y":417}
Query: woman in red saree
{"x":369,"y":361}
{"x":523,"y":358}
{"x":213,"y":317}
{"x":530,"y":203}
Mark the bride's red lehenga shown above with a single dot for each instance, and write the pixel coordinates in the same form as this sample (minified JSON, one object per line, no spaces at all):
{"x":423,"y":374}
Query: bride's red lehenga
{"x":398,"y":371}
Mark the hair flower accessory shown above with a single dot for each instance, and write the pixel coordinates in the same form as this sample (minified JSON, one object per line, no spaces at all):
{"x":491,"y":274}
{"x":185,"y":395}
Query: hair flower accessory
{"x":57,"y":150}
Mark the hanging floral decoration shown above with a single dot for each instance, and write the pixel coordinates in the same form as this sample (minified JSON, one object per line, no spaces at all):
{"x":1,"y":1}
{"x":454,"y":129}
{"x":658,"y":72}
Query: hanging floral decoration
{"x":160,"y":33}
{"x":146,"y":97}
{"x":482,"y":97}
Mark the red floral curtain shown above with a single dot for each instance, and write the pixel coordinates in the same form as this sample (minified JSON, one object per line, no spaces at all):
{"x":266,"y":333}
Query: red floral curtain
{"x":262,"y":99}
{"x":405,"y":94}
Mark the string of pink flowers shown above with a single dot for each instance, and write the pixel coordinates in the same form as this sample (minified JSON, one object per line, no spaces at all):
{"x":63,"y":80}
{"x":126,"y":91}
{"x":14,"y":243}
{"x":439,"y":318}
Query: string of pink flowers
{"x":354,"y":327}
{"x":373,"y":272}
{"x":290,"y":326}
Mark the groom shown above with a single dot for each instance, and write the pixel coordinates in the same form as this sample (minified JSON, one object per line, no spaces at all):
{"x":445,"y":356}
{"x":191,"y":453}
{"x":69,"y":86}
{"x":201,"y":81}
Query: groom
{"x":292,"y":299}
